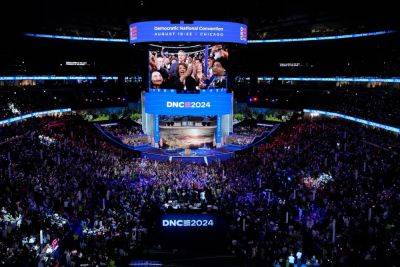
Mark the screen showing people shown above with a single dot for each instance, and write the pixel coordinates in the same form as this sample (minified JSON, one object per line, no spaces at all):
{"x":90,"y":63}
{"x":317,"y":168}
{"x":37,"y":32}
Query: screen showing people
{"x":188,"y":69}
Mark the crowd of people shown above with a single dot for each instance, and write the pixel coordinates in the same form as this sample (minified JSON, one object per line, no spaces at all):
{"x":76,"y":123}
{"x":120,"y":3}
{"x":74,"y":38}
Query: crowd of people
{"x":70,"y":198}
{"x":378,"y":104}
{"x":129,"y":134}
{"x":188,"y":71}
{"x":19,"y":100}
{"x":13,"y":104}
{"x":246,"y":134}
{"x":379,"y":107}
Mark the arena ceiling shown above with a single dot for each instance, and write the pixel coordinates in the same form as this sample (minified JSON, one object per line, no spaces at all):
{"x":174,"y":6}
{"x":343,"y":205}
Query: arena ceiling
{"x":265,"y":18}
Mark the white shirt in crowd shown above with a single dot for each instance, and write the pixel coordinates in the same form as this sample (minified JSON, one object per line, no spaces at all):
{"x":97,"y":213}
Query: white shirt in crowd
{"x":298,"y":255}
{"x":203,"y":195}
{"x":291,"y":259}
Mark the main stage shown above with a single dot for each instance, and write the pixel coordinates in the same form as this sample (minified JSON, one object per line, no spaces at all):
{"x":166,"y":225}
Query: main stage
{"x":187,"y":109}
{"x":201,"y":155}
{"x":198,"y":155}
{"x":161,"y":107}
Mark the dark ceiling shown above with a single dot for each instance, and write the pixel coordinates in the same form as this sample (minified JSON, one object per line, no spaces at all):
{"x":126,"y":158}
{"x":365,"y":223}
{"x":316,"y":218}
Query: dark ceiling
{"x":265,"y":19}
{"x":42,"y":15}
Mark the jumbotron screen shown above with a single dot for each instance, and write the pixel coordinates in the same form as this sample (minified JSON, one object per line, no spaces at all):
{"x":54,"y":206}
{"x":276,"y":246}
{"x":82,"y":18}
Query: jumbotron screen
{"x":188,"y":68}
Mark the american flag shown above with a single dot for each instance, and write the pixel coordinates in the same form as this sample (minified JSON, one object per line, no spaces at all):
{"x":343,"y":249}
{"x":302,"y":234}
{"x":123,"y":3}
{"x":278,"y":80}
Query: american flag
{"x":133,"y":32}
{"x":243,"y":33}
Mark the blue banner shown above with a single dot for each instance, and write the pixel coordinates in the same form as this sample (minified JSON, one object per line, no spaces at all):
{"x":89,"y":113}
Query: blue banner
{"x":205,"y":103}
{"x":198,"y":31}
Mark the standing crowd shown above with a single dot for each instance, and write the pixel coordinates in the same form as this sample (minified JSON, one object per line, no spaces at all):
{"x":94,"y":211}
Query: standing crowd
{"x":319,"y":192}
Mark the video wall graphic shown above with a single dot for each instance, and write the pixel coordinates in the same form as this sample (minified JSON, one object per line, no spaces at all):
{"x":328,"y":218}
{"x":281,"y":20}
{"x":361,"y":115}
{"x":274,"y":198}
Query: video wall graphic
{"x":197,"y":31}
{"x":188,"y":68}
{"x":187,"y":137}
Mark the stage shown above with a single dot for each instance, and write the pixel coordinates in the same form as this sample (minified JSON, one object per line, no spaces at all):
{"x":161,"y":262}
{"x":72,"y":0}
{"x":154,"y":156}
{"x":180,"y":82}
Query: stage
{"x":201,"y":155}
{"x":198,"y":155}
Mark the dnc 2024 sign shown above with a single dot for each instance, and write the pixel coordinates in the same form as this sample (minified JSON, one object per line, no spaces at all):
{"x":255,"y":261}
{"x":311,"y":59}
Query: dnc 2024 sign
{"x":194,"y":104}
{"x":205,"y":103}
{"x":198,"y":31}
{"x":188,"y":221}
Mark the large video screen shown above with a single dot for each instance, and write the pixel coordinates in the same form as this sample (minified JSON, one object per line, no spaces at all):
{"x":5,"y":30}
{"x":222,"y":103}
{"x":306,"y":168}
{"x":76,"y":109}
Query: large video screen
{"x":197,"y":31}
{"x":188,"y":68}
{"x":187,"y":137}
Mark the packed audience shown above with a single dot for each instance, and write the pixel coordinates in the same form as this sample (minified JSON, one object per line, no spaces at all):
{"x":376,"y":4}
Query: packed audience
{"x":128,"y":133}
{"x":318,"y":192}
{"x":17,"y":100}
{"x":378,"y":104}
{"x":245,"y":133}
{"x":379,"y":107}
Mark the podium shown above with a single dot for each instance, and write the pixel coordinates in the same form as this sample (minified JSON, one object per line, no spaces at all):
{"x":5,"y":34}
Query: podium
{"x":187,"y":151}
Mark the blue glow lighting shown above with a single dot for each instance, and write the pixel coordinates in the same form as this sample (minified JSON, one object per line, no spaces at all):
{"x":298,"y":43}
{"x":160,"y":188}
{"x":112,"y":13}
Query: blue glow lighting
{"x":39,"y":78}
{"x":342,"y":79}
{"x":321,"y":38}
{"x":109,"y":78}
{"x":77,"y":38}
{"x":34,"y":114}
{"x":284,"y":40}
{"x":350,"y":118}
{"x":263,"y":78}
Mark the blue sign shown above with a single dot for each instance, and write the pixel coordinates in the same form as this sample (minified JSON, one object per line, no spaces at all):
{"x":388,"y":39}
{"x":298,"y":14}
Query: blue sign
{"x":205,"y":103}
{"x":198,"y":31}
